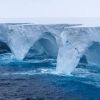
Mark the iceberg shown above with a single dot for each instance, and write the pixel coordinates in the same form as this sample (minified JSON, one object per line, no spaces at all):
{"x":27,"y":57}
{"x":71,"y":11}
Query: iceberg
{"x":65,"y":42}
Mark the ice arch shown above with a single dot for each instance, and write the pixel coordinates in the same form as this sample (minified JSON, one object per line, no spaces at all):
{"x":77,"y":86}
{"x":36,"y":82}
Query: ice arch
{"x":20,"y":39}
{"x":74,"y":42}
{"x":45,"y":44}
{"x":66,"y":43}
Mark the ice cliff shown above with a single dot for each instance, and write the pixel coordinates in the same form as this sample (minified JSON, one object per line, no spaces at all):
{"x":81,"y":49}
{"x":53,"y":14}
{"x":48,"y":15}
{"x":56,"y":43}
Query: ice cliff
{"x":67,"y":43}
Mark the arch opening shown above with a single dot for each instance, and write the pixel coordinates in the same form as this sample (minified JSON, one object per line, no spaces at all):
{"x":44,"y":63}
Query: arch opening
{"x":92,"y":54}
{"x":6,"y":54}
{"x":83,"y":61}
{"x":45,"y":47}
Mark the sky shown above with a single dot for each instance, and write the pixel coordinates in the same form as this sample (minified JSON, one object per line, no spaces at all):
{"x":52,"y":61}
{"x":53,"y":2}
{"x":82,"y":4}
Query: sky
{"x":52,"y":9}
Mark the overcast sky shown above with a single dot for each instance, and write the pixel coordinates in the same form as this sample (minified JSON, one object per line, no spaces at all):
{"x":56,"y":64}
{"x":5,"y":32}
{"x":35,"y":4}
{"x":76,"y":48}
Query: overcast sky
{"x":49,"y":8}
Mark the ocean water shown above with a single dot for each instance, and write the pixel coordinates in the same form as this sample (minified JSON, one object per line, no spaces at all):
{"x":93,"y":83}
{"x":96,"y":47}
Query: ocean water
{"x":35,"y":78}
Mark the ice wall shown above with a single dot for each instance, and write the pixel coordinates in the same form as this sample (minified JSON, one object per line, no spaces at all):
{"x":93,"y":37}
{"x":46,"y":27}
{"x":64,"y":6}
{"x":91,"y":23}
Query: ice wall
{"x":74,"y":43}
{"x":21,"y":37}
{"x":66,"y":43}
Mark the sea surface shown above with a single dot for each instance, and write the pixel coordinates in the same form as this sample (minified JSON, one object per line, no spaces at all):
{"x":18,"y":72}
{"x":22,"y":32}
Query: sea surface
{"x":35,"y":78}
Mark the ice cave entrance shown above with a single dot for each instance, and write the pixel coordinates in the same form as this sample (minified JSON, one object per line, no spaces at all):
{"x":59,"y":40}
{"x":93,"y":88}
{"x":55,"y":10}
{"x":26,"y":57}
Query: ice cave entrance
{"x":45,"y":46}
{"x":4,"y":48}
{"x":5,"y":53}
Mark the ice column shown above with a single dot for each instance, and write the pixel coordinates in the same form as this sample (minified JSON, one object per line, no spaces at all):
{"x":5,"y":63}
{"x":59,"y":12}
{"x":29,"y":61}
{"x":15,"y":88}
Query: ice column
{"x":73,"y":45}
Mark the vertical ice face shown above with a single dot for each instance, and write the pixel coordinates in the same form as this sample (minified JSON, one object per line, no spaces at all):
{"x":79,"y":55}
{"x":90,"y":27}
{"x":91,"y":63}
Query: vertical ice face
{"x":67,"y":59}
{"x":67,"y":44}
{"x":3,"y":31}
{"x":94,"y":34}
{"x":21,"y":38}
{"x":74,"y":42}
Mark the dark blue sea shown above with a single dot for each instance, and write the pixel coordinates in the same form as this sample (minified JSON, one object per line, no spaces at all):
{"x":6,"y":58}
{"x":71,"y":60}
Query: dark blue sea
{"x":35,"y":78}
